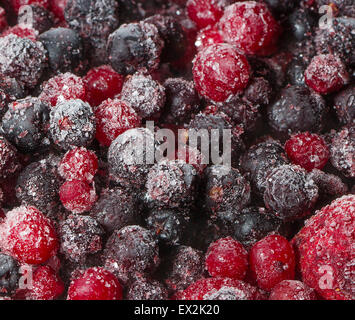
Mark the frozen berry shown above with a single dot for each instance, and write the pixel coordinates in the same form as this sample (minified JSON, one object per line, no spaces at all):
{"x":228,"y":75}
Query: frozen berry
{"x":307,"y":150}
{"x":296,"y":109}
{"x":64,"y":49}
{"x":3,"y":20}
{"x":325,"y":249}
{"x":171,"y":184}
{"x":9,"y":162}
{"x":326,"y":74}
{"x":36,"y":17}
{"x":250,"y":27}
{"x":17,"y":4}
{"x":219,"y":71}
{"x":62,"y":87}
{"x":22,"y":59}
{"x":259,"y":91}
{"x":28,"y":236}
{"x":272,"y":260}
{"x":144,"y":95}
{"x":208,"y":36}
{"x":290,"y":192}
{"x":26,"y":123}
{"x":77,"y":196}
{"x":80,"y":236}
{"x":79,"y":164}
{"x":280,"y":7}
{"x":58,"y":8}
{"x":131,"y":251}
{"x":9,"y":274}
{"x":72,"y":123}
{"x":12,"y":87}
{"x":292,"y":290}
{"x":301,"y":23}
{"x":134,"y":46}
{"x":46,"y":285}
{"x":102,"y":83}
{"x":227,"y":258}
{"x":22,"y":31}
{"x":344,"y":104}
{"x":295,"y":72}
{"x":342,"y":151}
{"x":95,"y":284}
{"x":145,"y":289}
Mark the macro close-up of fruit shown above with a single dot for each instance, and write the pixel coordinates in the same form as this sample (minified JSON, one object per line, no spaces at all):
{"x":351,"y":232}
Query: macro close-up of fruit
{"x":177,"y":150}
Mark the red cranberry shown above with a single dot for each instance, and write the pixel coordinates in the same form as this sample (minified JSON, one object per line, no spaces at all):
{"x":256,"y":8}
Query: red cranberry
{"x":95,"y":284}
{"x":102,"y":83}
{"x":207,"y":37}
{"x":63,"y":87}
{"x":226,"y":257}
{"x":17,"y":4}
{"x":28,"y":235}
{"x":251,"y":27}
{"x":22,"y":32}
{"x":79,"y":164}
{"x":307,"y":150}
{"x":58,"y":7}
{"x":292,"y":290}
{"x":272,"y":260}
{"x":3,"y":20}
{"x":220,"y":71}
{"x":113,"y":117}
{"x":77,"y":196}
{"x":326,"y":73}
{"x":46,"y":285}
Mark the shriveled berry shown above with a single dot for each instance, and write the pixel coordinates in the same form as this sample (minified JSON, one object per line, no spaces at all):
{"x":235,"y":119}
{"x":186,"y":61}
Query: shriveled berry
{"x":227,"y":258}
{"x":28,"y":236}
{"x":146,"y":289}
{"x":272,"y":260}
{"x":95,"y":284}
{"x":9,"y":274}
{"x":219,"y":71}
{"x":292,"y":290}
{"x":77,"y":196}
{"x":344,"y":104}
{"x":289,"y":192}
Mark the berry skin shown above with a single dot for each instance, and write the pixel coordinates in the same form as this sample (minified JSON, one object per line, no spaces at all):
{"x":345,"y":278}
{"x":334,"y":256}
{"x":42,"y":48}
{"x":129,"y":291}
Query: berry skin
{"x":227,"y":258}
{"x":326,"y":74}
{"x":17,"y":4}
{"x":208,"y":36}
{"x":36,"y":17}
{"x":9,"y":163}
{"x":72,"y":123}
{"x":95,"y":284}
{"x":220,"y":71}
{"x":77,"y":196}
{"x":250,"y":27}
{"x":79,"y":164}
{"x":9,"y":274}
{"x":102,"y":83}
{"x":292,"y":290}
{"x":28,"y":236}
{"x":272,"y":260}
{"x":344,"y":104}
{"x":145,"y":289}
{"x":301,"y":23}
{"x":61,"y":88}
{"x":58,"y":8}
{"x":289,"y":192}
{"x":134,"y":46}
{"x":325,"y":250}
{"x":46,"y":285}
{"x":3,"y":20}
{"x":307,"y":150}
{"x":21,"y":31}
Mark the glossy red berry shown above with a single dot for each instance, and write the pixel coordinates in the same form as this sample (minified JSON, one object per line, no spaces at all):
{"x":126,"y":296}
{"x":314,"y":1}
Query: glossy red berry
{"x":28,"y":236}
{"x":205,"y":12}
{"x":220,"y":71}
{"x":22,"y":32}
{"x":95,"y":284}
{"x":77,"y":196}
{"x":79,"y":164}
{"x":250,"y":27}
{"x":272,"y":260}
{"x":326,"y":74}
{"x":292,"y":290}
{"x":113,"y":117}
{"x":102,"y":83}
{"x":226,"y":257}
{"x":208,"y":36}
{"x":307,"y":150}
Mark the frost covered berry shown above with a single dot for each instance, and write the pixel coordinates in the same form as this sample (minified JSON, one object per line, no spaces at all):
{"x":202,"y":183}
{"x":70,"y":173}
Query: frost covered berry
{"x":226,"y":257}
{"x":17,"y":4}
{"x":325,"y":249}
{"x":326,"y":73}
{"x":95,"y":284}
{"x":220,"y":71}
{"x":307,"y":150}
{"x":146,"y":289}
{"x":208,"y":36}
{"x":77,"y":196}
{"x":21,"y":31}
{"x":250,"y":27}
{"x":28,"y":236}
{"x":79,"y":164}
{"x":272,"y":260}
{"x":292,"y":290}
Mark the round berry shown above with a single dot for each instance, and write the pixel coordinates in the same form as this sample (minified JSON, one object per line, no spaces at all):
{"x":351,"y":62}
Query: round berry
{"x":272,"y":260}
{"x":58,"y":8}
{"x":208,"y":36}
{"x":219,"y":71}
{"x":145,"y":289}
{"x":28,"y":236}
{"x":9,"y":274}
{"x":77,"y":196}
{"x":292,"y":290}
{"x":95,"y":284}
{"x":326,"y":74}
{"x":227,"y":258}
{"x":22,"y":31}
{"x":344,"y":104}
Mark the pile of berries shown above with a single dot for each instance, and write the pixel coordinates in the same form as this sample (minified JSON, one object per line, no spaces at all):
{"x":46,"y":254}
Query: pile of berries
{"x":105,"y":195}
